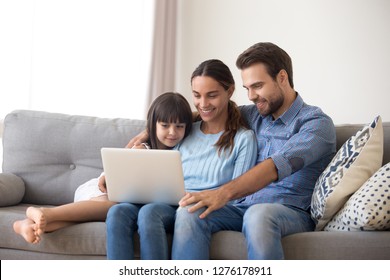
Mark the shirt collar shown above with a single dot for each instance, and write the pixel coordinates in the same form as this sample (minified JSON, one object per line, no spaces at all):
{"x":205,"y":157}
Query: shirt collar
{"x":288,"y":116}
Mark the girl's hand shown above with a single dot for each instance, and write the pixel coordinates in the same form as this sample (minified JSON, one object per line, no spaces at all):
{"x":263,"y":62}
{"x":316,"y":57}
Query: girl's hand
{"x":102,"y":184}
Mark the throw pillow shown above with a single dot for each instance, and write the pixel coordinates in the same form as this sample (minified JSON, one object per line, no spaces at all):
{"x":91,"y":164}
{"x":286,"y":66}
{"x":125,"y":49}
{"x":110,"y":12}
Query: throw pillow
{"x":355,"y":162}
{"x":368,"y":208}
{"x":11,"y":189}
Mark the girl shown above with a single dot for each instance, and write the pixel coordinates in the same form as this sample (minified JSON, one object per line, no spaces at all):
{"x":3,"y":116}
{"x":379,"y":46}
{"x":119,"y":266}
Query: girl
{"x":218,"y":149}
{"x":169,"y":120}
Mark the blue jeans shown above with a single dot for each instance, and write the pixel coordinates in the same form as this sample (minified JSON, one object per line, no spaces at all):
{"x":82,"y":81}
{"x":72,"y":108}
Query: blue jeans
{"x":152,"y":221}
{"x":263,"y":225}
{"x":121,"y":224}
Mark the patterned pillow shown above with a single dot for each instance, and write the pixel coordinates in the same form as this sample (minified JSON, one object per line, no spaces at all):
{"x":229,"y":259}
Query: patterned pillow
{"x":355,"y":162}
{"x":368,"y":208}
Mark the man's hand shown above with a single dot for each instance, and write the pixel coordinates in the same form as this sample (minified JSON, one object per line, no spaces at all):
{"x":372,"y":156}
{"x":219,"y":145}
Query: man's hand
{"x":102,"y":184}
{"x":250,"y":182}
{"x":138,"y":139}
{"x":211,"y":199}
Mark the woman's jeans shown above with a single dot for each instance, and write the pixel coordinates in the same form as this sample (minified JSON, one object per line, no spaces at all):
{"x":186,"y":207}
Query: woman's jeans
{"x":152,"y":220}
{"x":263,"y":225}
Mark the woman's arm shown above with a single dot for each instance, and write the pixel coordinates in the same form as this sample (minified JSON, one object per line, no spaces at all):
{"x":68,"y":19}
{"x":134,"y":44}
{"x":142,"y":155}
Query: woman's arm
{"x":245,"y":150}
{"x":142,"y":137}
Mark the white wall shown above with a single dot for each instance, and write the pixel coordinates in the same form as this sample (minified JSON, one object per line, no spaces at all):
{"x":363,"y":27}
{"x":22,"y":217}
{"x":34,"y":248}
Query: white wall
{"x":88,"y":57}
{"x":340,"y":48}
{"x":340,"y":51}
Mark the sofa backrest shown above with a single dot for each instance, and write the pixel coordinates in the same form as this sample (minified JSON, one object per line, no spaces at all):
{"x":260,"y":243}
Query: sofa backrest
{"x":343,"y":132}
{"x":55,"y":153}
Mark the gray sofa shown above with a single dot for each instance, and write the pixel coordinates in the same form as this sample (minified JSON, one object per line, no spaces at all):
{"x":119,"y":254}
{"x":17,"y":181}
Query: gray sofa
{"x":47,"y":155}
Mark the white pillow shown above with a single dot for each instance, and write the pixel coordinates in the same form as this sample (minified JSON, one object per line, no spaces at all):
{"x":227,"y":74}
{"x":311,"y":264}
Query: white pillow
{"x":355,"y":162}
{"x":368,"y":208}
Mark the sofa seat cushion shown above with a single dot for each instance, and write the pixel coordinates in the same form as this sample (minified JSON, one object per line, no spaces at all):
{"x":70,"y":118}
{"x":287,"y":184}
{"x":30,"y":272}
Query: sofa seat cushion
{"x":340,"y":245}
{"x":222,"y":246}
{"x":79,"y":239}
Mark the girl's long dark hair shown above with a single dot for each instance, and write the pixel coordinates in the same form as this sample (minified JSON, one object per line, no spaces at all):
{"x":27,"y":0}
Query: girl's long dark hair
{"x":220,"y":72}
{"x":169,"y":107}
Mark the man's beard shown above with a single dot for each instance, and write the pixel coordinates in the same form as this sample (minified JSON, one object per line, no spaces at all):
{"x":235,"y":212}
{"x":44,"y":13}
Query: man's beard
{"x":273,"y":106}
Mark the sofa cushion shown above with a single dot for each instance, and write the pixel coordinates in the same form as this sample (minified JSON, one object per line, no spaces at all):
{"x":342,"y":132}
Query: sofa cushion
{"x":11,"y":189}
{"x":368,"y":208}
{"x":355,"y":162}
{"x":80,"y":239}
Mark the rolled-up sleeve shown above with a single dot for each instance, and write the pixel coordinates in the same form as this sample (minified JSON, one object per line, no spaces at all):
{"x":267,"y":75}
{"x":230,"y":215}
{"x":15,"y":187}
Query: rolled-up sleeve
{"x":314,"y":140}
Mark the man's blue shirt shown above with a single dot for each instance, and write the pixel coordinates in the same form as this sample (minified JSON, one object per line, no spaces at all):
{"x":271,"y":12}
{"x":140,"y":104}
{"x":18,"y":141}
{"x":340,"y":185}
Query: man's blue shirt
{"x":301,"y":143}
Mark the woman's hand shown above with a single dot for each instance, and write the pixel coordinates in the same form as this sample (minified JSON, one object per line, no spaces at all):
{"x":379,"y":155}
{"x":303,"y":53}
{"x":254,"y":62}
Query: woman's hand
{"x":141,"y":146}
{"x":138,"y":139}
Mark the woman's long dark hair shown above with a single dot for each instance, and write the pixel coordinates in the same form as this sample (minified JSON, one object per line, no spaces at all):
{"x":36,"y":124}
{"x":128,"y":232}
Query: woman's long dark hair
{"x":217,"y":70}
{"x":169,"y":107}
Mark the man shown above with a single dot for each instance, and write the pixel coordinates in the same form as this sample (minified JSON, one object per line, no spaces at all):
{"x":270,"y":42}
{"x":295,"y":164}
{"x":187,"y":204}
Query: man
{"x":295,"y":143}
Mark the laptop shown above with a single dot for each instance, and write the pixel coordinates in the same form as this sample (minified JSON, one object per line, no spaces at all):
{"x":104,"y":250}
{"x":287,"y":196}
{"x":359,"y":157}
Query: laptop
{"x":143,"y":176}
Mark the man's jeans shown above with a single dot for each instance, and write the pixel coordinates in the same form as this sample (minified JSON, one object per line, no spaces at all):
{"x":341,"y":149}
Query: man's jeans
{"x":152,"y":221}
{"x":263,"y":225}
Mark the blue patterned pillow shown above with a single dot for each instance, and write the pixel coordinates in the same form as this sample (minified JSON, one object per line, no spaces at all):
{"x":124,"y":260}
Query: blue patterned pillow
{"x":368,"y":208}
{"x":356,"y":161}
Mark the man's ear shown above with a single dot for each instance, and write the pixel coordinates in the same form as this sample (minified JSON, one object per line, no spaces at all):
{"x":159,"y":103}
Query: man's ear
{"x":283,"y":76}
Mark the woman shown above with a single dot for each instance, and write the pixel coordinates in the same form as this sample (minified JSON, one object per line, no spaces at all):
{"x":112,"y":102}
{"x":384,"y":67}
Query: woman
{"x":218,"y":149}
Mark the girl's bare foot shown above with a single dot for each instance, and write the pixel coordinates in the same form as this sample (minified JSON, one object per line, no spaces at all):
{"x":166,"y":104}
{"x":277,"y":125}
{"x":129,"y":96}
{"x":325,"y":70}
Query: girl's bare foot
{"x":38,"y":217}
{"x":27,"y":229}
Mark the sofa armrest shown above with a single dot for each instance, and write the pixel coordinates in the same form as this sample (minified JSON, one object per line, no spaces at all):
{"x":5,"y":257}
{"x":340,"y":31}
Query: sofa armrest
{"x":12,"y":189}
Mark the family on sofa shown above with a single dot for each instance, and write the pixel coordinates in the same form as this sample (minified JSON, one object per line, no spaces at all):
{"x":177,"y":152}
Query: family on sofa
{"x":251,"y":169}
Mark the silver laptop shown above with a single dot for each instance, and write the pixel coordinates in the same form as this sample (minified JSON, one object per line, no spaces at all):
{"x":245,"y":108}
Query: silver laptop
{"x":143,"y":176}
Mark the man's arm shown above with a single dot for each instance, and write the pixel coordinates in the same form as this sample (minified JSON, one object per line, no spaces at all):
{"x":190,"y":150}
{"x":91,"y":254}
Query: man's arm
{"x":253,"y":180}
